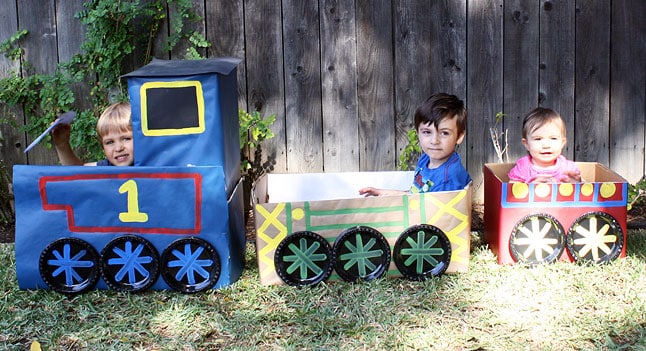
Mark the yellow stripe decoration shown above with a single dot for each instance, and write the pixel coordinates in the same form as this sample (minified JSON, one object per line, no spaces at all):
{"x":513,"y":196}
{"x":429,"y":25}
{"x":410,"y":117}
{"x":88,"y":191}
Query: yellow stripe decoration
{"x":271,"y":243}
{"x":199,"y":95}
{"x":457,"y":255}
{"x":448,"y":208}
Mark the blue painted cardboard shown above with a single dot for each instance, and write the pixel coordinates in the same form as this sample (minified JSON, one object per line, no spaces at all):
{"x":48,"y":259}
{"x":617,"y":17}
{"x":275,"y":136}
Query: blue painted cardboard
{"x":204,"y":92}
{"x":54,"y":202}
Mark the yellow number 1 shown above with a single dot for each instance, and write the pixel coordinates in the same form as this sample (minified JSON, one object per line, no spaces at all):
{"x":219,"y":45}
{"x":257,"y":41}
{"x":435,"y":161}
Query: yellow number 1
{"x":133,"y":214}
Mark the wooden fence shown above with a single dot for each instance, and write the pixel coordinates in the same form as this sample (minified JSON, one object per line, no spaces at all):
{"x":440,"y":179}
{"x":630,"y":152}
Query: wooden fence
{"x":344,"y":76}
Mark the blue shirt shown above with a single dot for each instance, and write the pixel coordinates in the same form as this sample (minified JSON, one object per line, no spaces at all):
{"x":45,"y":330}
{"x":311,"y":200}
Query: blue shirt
{"x":450,"y":175}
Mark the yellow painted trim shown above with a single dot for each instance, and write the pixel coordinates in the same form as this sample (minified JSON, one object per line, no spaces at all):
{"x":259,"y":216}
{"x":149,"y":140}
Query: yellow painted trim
{"x":172,"y":131}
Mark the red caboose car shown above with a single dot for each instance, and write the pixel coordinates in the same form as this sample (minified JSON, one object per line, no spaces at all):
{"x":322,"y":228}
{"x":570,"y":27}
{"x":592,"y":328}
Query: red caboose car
{"x":543,"y":222}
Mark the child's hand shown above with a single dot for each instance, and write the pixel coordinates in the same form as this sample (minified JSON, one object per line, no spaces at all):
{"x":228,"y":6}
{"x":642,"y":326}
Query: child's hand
{"x":543,"y":179}
{"x":369,"y":191}
{"x":571,"y":177}
{"x":61,"y":134}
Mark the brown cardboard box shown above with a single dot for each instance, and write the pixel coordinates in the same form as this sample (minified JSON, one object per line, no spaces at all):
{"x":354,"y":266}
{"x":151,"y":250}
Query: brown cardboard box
{"x":329,"y":203}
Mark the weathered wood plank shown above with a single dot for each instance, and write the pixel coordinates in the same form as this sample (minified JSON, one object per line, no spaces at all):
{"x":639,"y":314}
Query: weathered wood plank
{"x":339,"y":86}
{"x":520,"y":69}
{"x":69,"y":29}
{"x":448,"y":52}
{"x":303,"y":115}
{"x":12,"y":142}
{"x":225,"y":32}
{"x":412,"y":61}
{"x":556,"y":67}
{"x":38,"y":17}
{"x":484,"y":84}
{"x":265,"y":87}
{"x":627,"y":89}
{"x":592,"y":81}
{"x":377,"y":149}
{"x":70,"y":35}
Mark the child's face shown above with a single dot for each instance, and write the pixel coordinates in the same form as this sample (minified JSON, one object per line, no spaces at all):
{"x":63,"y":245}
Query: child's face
{"x":117,"y":146}
{"x":439,"y":143}
{"x":545,"y":144}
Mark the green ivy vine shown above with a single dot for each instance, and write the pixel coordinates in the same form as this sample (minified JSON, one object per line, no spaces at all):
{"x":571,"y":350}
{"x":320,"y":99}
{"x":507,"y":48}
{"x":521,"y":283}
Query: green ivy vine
{"x":114,"y":29}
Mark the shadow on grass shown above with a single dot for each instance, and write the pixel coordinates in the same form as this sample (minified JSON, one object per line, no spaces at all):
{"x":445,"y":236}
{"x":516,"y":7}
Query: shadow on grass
{"x":563,"y":306}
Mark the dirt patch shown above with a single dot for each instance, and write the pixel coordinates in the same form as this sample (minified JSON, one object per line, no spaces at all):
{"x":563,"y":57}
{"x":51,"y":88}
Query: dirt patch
{"x":250,"y":226}
{"x":477,"y":217}
{"x":636,"y":217}
{"x":7,"y":232}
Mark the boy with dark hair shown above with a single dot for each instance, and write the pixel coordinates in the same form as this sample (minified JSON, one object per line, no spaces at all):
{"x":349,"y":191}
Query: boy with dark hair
{"x":441,"y":125}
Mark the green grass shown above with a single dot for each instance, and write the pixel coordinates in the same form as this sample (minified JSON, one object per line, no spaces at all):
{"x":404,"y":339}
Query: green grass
{"x":562,"y":306}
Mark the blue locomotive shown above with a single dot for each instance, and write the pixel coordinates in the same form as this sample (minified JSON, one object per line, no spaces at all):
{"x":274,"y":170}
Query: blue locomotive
{"x":174,"y":220}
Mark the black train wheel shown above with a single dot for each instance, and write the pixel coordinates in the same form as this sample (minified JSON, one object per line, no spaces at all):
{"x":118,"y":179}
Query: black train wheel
{"x":190,"y":265}
{"x":595,"y":237}
{"x":303,"y":258}
{"x":422,"y":251}
{"x":537,"y":239}
{"x":129,"y":263}
{"x":361,"y":253}
{"x":69,"y":266}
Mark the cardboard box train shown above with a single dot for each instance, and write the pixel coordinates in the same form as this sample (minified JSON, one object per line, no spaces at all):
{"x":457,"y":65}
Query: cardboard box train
{"x":174,"y":220}
{"x":324,"y":207}
{"x":540,"y":223}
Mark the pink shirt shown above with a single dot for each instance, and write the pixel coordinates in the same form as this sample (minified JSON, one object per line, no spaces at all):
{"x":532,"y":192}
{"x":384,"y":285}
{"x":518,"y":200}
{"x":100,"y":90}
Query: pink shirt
{"x":525,"y":171}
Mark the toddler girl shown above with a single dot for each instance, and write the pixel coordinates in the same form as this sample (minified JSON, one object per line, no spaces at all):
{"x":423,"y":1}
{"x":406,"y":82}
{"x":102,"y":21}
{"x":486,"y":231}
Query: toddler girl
{"x":544,"y":139}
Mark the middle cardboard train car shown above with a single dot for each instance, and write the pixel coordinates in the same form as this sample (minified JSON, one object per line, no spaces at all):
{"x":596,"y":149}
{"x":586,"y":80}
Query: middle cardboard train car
{"x":329,"y":204}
